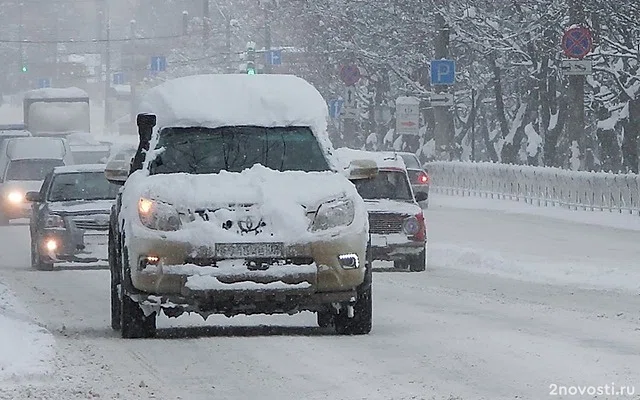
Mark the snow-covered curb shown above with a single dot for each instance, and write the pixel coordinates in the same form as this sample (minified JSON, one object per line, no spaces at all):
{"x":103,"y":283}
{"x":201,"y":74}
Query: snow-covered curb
{"x":25,"y":347}
{"x":588,"y":276}
{"x":600,"y":218}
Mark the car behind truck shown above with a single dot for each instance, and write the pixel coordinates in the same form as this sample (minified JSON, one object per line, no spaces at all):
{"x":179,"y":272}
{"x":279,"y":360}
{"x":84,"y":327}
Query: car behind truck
{"x":234,"y":206}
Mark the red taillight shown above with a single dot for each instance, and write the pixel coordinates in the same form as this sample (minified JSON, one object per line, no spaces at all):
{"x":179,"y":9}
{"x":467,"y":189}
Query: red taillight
{"x":421,"y":236}
{"x":423,"y":178}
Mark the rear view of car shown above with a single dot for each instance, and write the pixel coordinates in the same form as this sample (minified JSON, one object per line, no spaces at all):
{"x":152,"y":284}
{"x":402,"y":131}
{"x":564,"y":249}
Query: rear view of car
{"x":24,"y":163}
{"x":418,"y":176}
{"x":70,"y":218}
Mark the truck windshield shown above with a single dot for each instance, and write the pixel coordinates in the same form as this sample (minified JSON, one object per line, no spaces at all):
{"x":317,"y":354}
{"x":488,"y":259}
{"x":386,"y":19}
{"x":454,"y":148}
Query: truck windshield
{"x":81,"y":186}
{"x":30,"y":169}
{"x":234,"y":149}
{"x":392,"y":185}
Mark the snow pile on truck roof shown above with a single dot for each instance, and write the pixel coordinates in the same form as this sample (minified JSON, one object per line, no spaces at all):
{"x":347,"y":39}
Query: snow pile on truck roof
{"x":55,"y":93}
{"x":215,"y":101}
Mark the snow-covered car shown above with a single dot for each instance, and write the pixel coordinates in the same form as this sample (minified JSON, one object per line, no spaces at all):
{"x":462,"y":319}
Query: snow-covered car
{"x":396,"y":220}
{"x":418,"y":176}
{"x":234,"y":205}
{"x":88,"y":149}
{"x":70,"y":216}
{"x":24,"y":163}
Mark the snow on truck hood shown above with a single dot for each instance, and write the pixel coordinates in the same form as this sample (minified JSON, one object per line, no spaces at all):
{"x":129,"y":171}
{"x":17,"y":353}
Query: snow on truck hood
{"x":284,"y":198}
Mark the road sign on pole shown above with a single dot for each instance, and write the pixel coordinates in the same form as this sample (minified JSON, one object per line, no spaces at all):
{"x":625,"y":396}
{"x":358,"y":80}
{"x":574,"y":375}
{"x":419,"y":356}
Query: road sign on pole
{"x":273,"y":57}
{"x":118,"y":78}
{"x":335,"y":108}
{"x":443,"y":72}
{"x":441,"y":99}
{"x":350,"y":103}
{"x":44,"y":83}
{"x":577,"y":42}
{"x":407,"y":116}
{"x":158,"y":63}
{"x":350,"y":74}
{"x":577,"y":67}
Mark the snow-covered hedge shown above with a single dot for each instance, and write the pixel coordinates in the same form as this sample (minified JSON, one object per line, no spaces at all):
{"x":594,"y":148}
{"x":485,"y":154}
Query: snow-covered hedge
{"x":543,"y":186}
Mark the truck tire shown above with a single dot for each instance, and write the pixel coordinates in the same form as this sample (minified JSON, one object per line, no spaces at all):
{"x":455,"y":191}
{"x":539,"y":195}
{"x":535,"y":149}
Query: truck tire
{"x":361,"y":322}
{"x":325,"y":318}
{"x":114,"y":268}
{"x":418,"y":263}
{"x":134,"y":324}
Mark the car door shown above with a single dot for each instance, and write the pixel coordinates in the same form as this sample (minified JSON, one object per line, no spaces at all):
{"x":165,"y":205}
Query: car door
{"x":39,"y":208}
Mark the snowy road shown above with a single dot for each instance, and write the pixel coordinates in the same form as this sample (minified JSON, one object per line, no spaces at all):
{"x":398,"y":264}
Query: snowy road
{"x":480,"y":324}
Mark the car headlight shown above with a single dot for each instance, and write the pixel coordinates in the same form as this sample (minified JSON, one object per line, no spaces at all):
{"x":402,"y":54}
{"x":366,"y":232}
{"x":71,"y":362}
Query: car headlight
{"x":15,"y":197}
{"x":158,"y":216}
{"x":53,"y":221}
{"x":333,"y":214}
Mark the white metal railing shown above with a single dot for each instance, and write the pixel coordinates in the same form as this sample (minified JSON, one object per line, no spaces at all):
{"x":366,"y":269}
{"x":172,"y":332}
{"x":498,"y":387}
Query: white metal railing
{"x":542,"y":186}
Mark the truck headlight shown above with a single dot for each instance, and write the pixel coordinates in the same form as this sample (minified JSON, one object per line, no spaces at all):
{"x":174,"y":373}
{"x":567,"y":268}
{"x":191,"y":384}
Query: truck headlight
{"x":53,"y":221}
{"x":158,"y":216}
{"x":15,"y":197}
{"x":333,"y":214}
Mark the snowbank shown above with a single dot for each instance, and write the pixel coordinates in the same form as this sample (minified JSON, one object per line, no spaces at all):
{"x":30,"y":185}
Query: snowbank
{"x":25,"y":347}
{"x":482,"y":261}
{"x":600,"y":218}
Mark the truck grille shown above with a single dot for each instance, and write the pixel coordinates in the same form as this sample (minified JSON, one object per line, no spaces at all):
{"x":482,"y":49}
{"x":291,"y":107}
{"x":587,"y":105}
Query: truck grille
{"x":91,"y":224}
{"x":384,"y":224}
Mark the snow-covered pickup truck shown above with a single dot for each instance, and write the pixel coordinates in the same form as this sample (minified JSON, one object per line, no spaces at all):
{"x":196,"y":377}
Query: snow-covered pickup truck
{"x":234,"y":205}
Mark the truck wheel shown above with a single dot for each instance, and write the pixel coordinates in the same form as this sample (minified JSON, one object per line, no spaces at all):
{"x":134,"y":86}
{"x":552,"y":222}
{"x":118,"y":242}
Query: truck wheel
{"x":325,"y":319}
{"x":133,"y":323}
{"x":114,"y":268}
{"x":360,"y":324}
{"x":418,"y":263}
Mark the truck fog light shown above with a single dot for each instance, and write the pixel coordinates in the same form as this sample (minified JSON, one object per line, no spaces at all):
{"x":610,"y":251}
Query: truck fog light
{"x":51,"y":245}
{"x":152,"y":260}
{"x":349,"y":261}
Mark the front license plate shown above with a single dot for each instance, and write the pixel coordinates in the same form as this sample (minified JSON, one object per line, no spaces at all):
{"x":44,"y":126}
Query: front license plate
{"x":249,"y":250}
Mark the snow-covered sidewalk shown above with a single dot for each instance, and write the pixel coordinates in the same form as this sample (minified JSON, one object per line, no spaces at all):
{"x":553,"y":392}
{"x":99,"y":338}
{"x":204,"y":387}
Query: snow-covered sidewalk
{"x":26,"y":348}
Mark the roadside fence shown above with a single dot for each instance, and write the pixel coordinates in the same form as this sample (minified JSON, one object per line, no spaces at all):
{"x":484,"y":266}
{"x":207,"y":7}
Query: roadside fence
{"x":541,"y":186}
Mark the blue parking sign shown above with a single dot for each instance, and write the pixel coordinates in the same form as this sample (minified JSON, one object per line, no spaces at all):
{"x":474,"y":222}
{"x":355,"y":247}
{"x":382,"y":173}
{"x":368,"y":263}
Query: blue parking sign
{"x":443,"y":72}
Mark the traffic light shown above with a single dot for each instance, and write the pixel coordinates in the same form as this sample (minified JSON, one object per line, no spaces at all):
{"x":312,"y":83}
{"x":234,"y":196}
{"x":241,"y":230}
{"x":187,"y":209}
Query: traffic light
{"x":251,"y":68}
{"x":251,"y":58}
{"x":25,"y":68}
